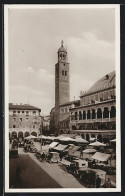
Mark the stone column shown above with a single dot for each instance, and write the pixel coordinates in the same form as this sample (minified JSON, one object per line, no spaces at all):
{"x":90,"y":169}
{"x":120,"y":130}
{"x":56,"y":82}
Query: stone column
{"x":102,"y":113}
{"x":85,"y":136}
{"x":109,"y":114}
{"x":96,"y":115}
{"x":86,"y":115}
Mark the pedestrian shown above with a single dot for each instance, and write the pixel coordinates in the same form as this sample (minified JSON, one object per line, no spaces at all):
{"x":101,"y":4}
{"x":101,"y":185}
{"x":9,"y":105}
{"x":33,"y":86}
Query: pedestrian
{"x":43,"y":156}
{"x":108,"y":183}
{"x":60,"y":156}
{"x":98,"y":181}
{"x":18,"y":180}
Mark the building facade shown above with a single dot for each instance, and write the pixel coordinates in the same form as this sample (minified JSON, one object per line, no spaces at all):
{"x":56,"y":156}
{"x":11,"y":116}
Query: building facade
{"x":46,"y":125}
{"x":24,"y":120}
{"x":96,"y":115}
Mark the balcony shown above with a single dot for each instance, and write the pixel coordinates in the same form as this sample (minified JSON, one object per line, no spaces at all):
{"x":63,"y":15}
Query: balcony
{"x":93,"y":120}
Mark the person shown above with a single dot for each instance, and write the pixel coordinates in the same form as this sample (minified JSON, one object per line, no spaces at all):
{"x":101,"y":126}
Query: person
{"x":61,"y":156}
{"x":81,"y":153}
{"x":18,"y":180}
{"x":43,"y":156}
{"x":108,"y":183}
{"x":98,"y":181}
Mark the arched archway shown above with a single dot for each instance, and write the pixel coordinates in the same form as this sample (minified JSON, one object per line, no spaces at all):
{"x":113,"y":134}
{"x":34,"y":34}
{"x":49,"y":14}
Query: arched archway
{"x":34,"y":133}
{"x":68,"y":131}
{"x":73,"y":127}
{"x":76,"y":116}
{"x":106,"y":113}
{"x":61,"y":131}
{"x":93,"y":114}
{"x":87,"y":137}
{"x":99,"y":137}
{"x":113,"y":112}
{"x":84,"y":115}
{"x":80,"y":127}
{"x":88,"y":114}
{"x":82,"y":135}
{"x":20,"y":134}
{"x":99,"y":113}
{"x":26,"y":134}
{"x":14,"y":134}
{"x":114,"y":127}
{"x":93,"y":135}
{"x":80,"y":115}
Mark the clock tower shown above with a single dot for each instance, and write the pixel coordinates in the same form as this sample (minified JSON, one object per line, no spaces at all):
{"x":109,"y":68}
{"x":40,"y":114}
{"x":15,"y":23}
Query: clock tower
{"x":62,"y":88}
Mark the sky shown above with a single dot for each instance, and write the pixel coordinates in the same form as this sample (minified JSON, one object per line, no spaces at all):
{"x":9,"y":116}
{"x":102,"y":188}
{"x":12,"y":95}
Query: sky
{"x":34,"y":37}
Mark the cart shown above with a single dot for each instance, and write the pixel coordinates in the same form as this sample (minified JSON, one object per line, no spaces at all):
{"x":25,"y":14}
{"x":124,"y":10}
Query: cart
{"x":53,"y":157}
{"x":76,"y":166}
{"x":89,"y":176}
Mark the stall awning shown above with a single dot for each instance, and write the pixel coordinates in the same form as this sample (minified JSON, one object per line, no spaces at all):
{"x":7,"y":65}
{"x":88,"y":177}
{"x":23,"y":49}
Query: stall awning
{"x":53,"y":144}
{"x":87,"y":151}
{"x":101,"y":156}
{"x":74,"y":151}
{"x":61,"y":147}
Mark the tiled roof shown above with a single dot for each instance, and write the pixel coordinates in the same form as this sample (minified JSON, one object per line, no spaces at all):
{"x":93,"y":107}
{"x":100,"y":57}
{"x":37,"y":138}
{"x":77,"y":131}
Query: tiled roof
{"x":23,"y":107}
{"x":106,"y":82}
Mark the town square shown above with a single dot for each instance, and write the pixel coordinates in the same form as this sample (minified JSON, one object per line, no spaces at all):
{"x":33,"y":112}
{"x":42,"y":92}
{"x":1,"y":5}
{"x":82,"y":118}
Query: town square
{"x":63,"y":113}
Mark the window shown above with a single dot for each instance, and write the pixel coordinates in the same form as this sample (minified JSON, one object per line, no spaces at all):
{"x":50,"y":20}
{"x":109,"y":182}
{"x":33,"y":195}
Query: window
{"x":14,"y":126}
{"x":22,"y":111}
{"x":26,"y":119}
{"x":63,"y":72}
{"x":34,"y":112}
{"x":14,"y":119}
{"x":20,"y":119}
{"x":65,"y":109}
{"x":14,"y":112}
{"x":64,"y":64}
{"x":62,"y":110}
{"x":33,"y":126}
{"x":18,"y":111}
{"x":27,"y":112}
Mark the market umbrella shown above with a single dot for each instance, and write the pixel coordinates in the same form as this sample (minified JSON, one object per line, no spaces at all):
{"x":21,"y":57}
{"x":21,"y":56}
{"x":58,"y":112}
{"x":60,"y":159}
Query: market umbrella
{"x":43,"y":136}
{"x":92,"y":139}
{"x":80,"y":140}
{"x":97,"y":144}
{"x":31,"y":137}
{"x":113,"y":140}
{"x":67,"y":139}
{"x":89,"y":150}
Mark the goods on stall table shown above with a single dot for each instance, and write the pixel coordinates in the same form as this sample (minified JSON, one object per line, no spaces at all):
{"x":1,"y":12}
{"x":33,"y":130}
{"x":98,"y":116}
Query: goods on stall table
{"x":54,"y":157}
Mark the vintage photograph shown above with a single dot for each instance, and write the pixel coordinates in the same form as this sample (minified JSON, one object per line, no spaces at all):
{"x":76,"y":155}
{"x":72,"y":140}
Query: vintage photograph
{"x":62,"y":98}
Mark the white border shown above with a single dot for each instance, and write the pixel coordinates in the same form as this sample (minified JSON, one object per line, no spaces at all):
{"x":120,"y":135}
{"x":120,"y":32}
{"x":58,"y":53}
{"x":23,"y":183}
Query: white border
{"x":118,"y":127}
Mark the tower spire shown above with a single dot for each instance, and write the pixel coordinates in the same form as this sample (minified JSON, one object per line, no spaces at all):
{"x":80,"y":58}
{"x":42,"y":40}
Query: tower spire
{"x":62,"y":43}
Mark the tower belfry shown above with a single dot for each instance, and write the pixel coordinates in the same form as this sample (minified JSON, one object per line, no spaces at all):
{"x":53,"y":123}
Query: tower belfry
{"x":62,"y":87}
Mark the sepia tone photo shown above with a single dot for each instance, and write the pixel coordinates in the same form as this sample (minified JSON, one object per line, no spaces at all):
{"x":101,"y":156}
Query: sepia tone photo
{"x":62,"y":98}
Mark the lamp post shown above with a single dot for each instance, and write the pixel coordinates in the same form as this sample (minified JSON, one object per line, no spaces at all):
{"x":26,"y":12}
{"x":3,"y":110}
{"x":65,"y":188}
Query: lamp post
{"x":41,"y":131}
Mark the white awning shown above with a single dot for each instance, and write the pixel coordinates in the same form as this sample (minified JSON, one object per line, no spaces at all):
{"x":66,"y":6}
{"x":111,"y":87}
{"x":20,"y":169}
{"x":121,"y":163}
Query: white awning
{"x":113,"y":140}
{"x":53,"y":144}
{"x":101,"y":156}
{"x":87,"y":151}
{"x":97,"y":144}
{"x":61,"y":147}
